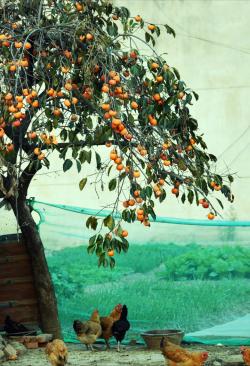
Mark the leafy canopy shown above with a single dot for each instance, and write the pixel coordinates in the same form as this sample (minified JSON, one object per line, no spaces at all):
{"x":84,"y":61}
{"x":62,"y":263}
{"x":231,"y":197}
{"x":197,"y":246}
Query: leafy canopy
{"x":73,"y":77}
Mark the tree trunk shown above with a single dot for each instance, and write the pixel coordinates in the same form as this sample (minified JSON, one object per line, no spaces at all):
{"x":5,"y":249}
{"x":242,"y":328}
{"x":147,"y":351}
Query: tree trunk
{"x":49,"y":320}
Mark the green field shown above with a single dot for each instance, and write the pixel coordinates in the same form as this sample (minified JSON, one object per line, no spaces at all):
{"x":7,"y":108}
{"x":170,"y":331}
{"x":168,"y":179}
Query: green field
{"x":164,"y":286}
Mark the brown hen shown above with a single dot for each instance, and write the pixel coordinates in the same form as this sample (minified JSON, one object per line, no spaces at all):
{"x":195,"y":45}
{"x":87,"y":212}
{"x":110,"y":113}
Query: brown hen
{"x":88,"y":331}
{"x":178,"y":356}
{"x":245,"y":351}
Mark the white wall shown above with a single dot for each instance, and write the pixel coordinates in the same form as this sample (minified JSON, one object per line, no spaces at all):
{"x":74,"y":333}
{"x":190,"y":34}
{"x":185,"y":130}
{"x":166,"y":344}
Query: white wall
{"x":212,"y":53}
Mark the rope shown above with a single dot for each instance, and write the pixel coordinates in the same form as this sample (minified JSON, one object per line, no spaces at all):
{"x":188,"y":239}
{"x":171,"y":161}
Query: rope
{"x":160,"y":219}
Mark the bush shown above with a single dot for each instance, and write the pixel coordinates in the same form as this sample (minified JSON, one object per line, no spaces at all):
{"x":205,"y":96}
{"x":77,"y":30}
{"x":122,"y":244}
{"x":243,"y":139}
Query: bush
{"x":209,"y":263}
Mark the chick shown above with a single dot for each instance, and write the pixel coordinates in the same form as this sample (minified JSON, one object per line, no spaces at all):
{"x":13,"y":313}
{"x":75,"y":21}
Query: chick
{"x":57,"y":353}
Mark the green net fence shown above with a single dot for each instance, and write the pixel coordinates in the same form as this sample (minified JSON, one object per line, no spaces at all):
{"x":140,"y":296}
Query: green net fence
{"x":179,"y":274}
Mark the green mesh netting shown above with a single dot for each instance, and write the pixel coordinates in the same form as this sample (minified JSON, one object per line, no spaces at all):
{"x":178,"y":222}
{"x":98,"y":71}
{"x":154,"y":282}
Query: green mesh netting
{"x":179,"y":274}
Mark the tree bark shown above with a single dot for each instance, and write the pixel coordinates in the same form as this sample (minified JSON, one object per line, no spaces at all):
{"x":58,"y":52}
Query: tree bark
{"x":49,"y":320}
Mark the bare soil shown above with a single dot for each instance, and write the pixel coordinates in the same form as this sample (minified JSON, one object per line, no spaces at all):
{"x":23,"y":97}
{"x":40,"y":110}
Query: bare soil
{"x":130,"y":355}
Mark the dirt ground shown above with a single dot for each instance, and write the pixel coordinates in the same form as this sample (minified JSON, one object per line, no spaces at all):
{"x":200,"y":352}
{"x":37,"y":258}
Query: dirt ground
{"x":131,"y":355}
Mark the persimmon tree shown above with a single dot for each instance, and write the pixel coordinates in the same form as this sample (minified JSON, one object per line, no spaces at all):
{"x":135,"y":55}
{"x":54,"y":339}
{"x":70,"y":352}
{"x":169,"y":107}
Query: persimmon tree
{"x":73,"y":77}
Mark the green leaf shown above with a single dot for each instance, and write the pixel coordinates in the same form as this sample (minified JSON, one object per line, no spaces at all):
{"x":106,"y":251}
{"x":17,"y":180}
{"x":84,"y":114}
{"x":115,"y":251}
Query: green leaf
{"x":148,"y":191}
{"x":190,"y":197}
{"x":92,"y":222}
{"x":212,"y":157}
{"x":63,"y":153}
{"x":231,"y":178}
{"x":92,"y":245}
{"x":98,"y":161}
{"x":135,"y":70}
{"x":183,"y":198}
{"x":170,"y":30}
{"x":162,"y":196}
{"x":147,"y":37}
{"x":181,"y":165}
{"x":109,"y":169}
{"x":78,"y":165}
{"x":196,"y":197}
{"x":112,"y":184}
{"x":158,"y":31}
{"x":67,"y":165}
{"x":109,"y":222}
{"x":89,"y":123}
{"x":88,"y":156}
{"x":82,"y":183}
{"x":64,"y":134}
{"x":220,"y":203}
{"x":92,"y":240}
{"x":112,"y":29}
{"x":204,"y":186}
{"x":151,"y":212}
{"x":195,"y":95}
{"x":112,"y":262}
{"x":176,"y":73}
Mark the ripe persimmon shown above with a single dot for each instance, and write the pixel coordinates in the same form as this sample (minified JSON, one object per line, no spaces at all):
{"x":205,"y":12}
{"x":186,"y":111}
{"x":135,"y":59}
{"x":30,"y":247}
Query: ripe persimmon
{"x":134,"y":105}
{"x":136,"y":174}
{"x":111,"y":253}
{"x":37,"y":151}
{"x":124,"y":233}
{"x":138,"y":18}
{"x":151,"y":27}
{"x":210,"y":216}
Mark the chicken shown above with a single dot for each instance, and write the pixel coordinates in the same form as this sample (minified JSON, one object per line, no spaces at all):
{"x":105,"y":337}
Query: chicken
{"x":13,"y":327}
{"x":107,"y":323}
{"x":178,"y":356}
{"x":57,"y":353}
{"x":245,"y":351}
{"x":121,"y":326}
{"x":187,"y":362}
{"x":88,"y":331}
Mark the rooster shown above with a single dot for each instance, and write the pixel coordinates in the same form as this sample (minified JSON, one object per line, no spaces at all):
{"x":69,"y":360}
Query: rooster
{"x":57,"y":353}
{"x":120,"y":327}
{"x":107,"y":323}
{"x":178,"y":356}
{"x":245,"y":351}
{"x":88,"y":331}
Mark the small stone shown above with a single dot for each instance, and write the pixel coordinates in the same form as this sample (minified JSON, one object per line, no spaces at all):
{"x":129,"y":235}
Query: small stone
{"x":233,"y":360}
{"x":44,"y":338}
{"x":31,"y":345}
{"x":27,"y":339}
{"x":10,"y":352}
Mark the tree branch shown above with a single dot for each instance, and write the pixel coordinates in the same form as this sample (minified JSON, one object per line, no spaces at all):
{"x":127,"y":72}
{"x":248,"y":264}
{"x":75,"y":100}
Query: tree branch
{"x":26,"y":177}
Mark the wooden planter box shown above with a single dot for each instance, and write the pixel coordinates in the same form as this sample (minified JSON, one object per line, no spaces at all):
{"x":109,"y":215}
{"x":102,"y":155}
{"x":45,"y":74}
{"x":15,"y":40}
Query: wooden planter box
{"x":17,"y":292}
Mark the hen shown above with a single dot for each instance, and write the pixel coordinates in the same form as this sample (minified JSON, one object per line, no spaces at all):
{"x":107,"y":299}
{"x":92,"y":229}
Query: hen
{"x":13,"y":327}
{"x":245,"y":351}
{"x":121,"y":326}
{"x":57,"y":353}
{"x":178,"y":356}
{"x":107,"y":323}
{"x":88,"y":331}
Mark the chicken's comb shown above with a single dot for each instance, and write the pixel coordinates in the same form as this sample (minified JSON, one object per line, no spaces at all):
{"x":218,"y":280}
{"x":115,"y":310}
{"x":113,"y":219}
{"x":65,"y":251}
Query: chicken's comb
{"x":205,"y":355}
